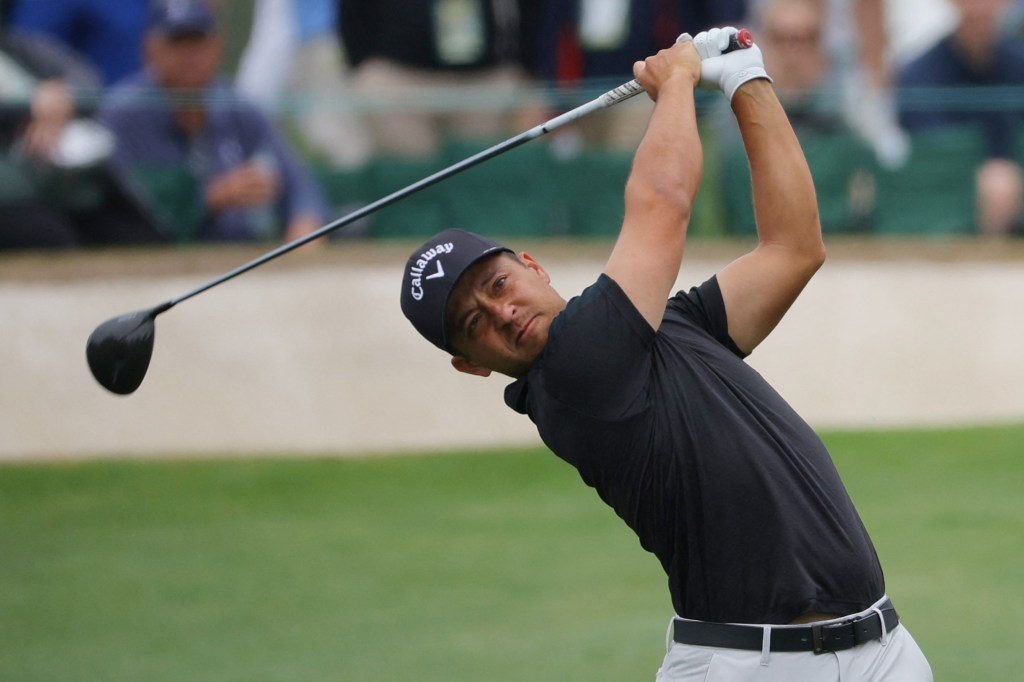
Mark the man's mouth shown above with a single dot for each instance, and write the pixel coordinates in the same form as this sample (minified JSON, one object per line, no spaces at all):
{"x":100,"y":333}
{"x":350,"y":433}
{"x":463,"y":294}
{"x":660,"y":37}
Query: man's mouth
{"x":522,"y":332}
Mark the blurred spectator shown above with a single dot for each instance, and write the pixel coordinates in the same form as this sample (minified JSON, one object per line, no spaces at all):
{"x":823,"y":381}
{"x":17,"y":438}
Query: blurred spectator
{"x":1014,"y":20}
{"x":56,"y":186}
{"x":602,"y":38}
{"x":435,"y":69}
{"x":975,"y":55}
{"x":294,"y":64}
{"x":176,"y":116}
{"x":807,"y":75}
{"x":594,"y":43}
{"x":792,"y":37}
{"x":105,"y":32}
{"x":857,"y":37}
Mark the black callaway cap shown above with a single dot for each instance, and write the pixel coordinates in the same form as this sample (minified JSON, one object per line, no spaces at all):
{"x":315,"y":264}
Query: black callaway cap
{"x":432,"y":272}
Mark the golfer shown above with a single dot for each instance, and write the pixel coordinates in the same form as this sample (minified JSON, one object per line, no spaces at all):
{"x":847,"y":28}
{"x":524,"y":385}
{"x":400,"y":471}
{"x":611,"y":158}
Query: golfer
{"x":771,"y":572}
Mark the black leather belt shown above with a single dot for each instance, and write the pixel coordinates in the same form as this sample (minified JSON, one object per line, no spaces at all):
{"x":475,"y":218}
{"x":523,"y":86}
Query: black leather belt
{"x":818,"y":638}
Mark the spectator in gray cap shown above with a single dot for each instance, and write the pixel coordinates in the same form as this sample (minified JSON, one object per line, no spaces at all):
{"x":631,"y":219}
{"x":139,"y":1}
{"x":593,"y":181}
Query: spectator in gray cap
{"x":177,"y":116}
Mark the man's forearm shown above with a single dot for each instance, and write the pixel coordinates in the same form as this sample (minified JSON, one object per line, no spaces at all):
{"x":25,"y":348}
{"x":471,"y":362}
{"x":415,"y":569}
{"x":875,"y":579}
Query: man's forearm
{"x":668,"y":165}
{"x":785,"y":204}
{"x":662,"y":184}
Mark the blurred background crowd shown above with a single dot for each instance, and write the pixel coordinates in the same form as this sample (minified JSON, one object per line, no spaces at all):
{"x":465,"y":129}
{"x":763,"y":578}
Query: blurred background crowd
{"x":142,"y":122}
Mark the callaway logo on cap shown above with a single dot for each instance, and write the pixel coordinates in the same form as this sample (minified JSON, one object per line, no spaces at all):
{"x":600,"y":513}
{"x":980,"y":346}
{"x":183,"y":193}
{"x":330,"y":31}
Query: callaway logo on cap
{"x":432,"y":272}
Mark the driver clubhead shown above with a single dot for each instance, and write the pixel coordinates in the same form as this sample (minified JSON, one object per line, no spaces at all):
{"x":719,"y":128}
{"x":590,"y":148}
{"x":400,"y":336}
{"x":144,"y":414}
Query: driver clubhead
{"x":119,"y":350}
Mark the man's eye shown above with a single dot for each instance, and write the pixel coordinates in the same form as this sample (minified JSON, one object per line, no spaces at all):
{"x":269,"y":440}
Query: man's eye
{"x":499,"y":282}
{"x":471,"y":327}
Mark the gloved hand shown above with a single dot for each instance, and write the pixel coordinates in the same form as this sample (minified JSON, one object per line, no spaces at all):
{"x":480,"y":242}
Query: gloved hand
{"x":725,"y":70}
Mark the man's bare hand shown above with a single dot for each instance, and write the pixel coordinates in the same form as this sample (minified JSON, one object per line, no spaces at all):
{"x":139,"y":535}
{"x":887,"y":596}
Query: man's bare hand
{"x":246,"y":185}
{"x":52,"y":109}
{"x":679,"y":62}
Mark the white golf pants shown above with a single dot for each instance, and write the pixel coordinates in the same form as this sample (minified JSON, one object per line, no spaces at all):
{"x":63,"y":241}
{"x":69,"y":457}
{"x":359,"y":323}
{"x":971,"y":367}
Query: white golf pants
{"x":894,"y":658}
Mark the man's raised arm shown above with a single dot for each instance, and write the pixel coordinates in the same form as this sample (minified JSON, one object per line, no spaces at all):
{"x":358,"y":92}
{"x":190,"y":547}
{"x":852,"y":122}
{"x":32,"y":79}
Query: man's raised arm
{"x":662,"y":184}
{"x":759,"y":287}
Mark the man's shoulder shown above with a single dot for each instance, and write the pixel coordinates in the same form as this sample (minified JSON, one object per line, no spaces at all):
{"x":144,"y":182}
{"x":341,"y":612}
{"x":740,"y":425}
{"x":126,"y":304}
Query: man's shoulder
{"x":234,"y":107}
{"x":1011,"y":58}
{"x":604,"y":288}
{"x":598,"y":319}
{"x":130,"y":90}
{"x":594,"y":366}
{"x":131,"y":106}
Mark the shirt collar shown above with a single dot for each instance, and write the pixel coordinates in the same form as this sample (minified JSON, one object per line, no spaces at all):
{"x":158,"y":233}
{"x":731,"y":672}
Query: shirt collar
{"x":516,"y":395}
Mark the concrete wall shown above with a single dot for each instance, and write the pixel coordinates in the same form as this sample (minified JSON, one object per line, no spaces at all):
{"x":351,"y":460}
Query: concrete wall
{"x":311,"y":355}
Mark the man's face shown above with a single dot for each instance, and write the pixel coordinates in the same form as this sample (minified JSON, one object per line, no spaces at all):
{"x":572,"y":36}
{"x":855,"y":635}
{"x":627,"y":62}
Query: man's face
{"x":499,"y":315}
{"x":184,"y":62}
{"x":980,"y":10}
{"x":790,"y":36}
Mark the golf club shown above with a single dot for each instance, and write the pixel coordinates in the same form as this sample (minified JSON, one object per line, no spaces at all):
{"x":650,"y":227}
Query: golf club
{"x":119,"y":350}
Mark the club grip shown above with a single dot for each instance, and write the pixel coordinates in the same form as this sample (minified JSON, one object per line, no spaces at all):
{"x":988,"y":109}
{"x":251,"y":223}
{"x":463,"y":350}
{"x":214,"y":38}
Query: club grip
{"x":741,"y":40}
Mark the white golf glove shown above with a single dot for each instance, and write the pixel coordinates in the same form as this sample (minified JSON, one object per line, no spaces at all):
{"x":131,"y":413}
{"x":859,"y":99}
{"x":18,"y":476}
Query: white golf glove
{"x":726,"y":72}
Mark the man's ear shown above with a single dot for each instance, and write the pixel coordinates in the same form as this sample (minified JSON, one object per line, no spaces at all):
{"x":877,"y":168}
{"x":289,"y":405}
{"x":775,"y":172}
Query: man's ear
{"x":467,"y":367}
{"x":529,"y":262}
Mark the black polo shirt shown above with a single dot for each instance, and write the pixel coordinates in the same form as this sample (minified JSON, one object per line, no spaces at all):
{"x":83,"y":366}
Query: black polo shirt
{"x":717,"y":475}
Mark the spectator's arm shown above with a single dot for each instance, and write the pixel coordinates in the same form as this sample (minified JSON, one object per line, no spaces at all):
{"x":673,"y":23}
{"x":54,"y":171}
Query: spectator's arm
{"x":52,"y":109}
{"x":301,"y":194}
{"x":49,"y":60}
{"x":245,"y":185}
{"x":267,"y":58}
{"x":300,"y":226}
{"x":873,"y":43}
{"x":759,"y":288}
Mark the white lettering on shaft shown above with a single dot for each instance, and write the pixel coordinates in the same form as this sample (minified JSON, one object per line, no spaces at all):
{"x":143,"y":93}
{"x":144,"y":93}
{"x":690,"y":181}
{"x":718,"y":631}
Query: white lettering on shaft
{"x":416,"y":270}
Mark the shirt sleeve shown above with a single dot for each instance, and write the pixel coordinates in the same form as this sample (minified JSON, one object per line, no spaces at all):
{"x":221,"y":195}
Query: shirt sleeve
{"x":121,"y":112}
{"x":704,"y":306}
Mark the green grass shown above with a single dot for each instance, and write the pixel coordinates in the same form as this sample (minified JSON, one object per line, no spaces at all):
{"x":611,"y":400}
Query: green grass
{"x":499,"y":566}
{"x":946,"y":512}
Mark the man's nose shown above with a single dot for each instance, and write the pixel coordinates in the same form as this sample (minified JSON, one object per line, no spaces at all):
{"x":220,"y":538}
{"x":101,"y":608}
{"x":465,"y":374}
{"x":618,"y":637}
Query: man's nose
{"x":503,"y":311}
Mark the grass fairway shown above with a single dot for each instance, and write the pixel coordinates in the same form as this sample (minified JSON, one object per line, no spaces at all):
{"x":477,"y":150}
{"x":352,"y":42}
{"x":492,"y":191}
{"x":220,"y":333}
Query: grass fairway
{"x":501,"y":566}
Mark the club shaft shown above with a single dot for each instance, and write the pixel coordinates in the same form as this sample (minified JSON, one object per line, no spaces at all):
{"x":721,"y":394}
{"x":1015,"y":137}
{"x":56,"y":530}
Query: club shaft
{"x":614,"y":96}
{"x":619,"y":94}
